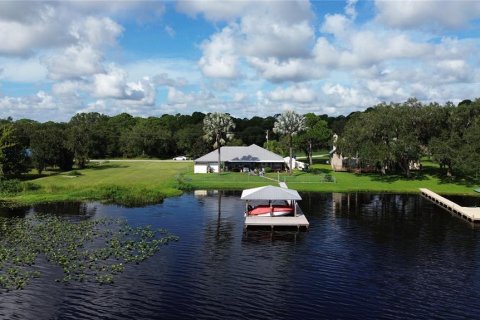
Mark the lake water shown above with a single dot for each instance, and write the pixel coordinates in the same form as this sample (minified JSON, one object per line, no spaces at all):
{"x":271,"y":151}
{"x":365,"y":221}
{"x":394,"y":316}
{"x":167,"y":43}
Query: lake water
{"x":365,"y":256}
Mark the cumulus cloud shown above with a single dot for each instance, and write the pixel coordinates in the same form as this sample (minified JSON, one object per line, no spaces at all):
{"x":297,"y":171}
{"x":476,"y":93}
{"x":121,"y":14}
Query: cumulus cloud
{"x":84,"y":58}
{"x":276,"y":70}
{"x":22,"y":70}
{"x":257,"y":31}
{"x":297,"y":93}
{"x":114,"y":85}
{"x":74,"y":62}
{"x":164,"y":79}
{"x":97,"y":32}
{"x":432,"y":14}
{"x":37,"y":106}
{"x":219,"y":58}
{"x":267,"y":37}
{"x":27,"y":29}
{"x":176,"y":97}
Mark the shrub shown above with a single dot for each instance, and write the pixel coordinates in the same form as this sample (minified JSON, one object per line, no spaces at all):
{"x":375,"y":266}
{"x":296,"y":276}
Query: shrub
{"x":268,"y":169}
{"x":328,"y":178}
{"x":10,"y":186}
{"x":14,"y":186}
{"x":74,"y":173}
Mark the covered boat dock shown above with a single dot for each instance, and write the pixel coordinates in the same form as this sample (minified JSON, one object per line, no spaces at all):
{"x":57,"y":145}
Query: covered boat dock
{"x":272,"y":193}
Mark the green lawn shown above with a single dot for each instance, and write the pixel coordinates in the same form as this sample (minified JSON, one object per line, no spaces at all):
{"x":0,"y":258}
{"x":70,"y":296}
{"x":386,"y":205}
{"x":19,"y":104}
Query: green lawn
{"x":134,"y":183}
{"x":122,"y":182}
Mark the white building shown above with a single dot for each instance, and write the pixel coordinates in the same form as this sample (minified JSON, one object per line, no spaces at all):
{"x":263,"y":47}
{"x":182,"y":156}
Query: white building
{"x":239,"y":158}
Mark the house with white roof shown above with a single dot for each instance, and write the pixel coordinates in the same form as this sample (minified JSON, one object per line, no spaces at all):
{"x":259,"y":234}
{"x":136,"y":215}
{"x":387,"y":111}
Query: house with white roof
{"x":239,"y":157}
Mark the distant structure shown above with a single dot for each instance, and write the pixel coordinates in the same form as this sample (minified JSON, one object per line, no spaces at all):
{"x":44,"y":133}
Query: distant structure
{"x":240,"y":158}
{"x":341,"y":163}
{"x":338,"y":161}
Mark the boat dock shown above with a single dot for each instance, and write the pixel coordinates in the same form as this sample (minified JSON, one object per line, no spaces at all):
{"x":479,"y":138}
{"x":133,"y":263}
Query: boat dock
{"x":299,"y":221}
{"x":468,"y":213}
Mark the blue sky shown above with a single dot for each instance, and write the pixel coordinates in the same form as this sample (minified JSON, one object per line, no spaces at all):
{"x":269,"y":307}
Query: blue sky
{"x":247,"y":58}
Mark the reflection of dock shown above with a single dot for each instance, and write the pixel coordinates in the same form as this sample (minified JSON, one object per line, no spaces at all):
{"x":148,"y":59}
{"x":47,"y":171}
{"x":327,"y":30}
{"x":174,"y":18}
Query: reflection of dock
{"x":471,"y":214}
{"x":299,"y":221}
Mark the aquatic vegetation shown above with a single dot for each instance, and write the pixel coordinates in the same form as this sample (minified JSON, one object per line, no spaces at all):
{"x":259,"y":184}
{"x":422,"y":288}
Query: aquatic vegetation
{"x":88,"y":250}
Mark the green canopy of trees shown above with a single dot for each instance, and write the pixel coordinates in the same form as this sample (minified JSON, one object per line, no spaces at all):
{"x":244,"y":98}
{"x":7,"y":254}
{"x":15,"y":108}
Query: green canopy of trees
{"x":386,"y":137}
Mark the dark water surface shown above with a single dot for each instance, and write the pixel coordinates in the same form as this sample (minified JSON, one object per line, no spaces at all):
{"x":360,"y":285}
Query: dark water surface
{"x":365,"y":256}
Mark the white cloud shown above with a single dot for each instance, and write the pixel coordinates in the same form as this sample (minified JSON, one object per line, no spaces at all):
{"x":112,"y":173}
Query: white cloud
{"x":74,"y":62}
{"x":69,"y":88}
{"x":22,"y":39}
{"x":97,"y":32}
{"x":109,"y":85}
{"x":338,"y":25}
{"x":37,"y":106}
{"x":28,"y":27}
{"x":347,"y":99}
{"x":219,"y":59}
{"x":114,"y":85}
{"x":176,"y":69}
{"x":275,"y":70}
{"x":176,"y":97}
{"x":434,"y":14}
{"x":22,"y":70}
{"x":239,"y":97}
{"x":258,"y":31}
{"x":267,"y":37}
{"x":296,"y":93}
{"x":164,"y":79}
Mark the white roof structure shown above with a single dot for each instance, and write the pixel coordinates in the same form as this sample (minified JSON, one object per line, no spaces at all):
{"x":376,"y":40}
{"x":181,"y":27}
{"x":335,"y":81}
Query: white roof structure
{"x":270,"y":193}
{"x":252,"y":153}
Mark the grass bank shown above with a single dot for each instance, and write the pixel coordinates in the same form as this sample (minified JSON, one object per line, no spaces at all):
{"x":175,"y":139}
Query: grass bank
{"x":128,"y":183}
{"x":137,"y":183}
{"x":323,"y":179}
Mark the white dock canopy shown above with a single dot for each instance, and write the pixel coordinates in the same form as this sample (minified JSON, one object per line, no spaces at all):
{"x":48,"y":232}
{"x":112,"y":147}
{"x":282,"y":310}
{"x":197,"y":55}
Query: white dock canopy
{"x":270,"y":193}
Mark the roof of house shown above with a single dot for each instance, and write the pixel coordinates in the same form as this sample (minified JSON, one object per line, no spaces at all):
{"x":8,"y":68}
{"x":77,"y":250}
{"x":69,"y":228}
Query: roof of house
{"x":270,"y":193}
{"x":252,"y":153}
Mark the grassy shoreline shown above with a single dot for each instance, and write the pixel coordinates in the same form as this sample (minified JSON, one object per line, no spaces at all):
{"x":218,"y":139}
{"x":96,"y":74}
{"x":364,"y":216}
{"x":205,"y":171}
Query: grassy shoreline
{"x":141,"y":183}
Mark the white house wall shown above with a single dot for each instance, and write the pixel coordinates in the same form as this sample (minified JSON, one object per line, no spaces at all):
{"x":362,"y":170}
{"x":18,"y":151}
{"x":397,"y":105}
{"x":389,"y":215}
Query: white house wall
{"x":203,"y":168}
{"x":200,"y":168}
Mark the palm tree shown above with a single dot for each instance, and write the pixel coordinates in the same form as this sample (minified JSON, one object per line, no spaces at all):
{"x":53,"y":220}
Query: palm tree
{"x":289,"y":124}
{"x":217,"y":127}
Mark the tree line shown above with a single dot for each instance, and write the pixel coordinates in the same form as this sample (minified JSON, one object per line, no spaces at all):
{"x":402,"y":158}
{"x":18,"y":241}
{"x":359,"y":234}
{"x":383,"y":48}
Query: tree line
{"x":386,"y":137}
{"x":26,"y":144}
{"x":391,"y":137}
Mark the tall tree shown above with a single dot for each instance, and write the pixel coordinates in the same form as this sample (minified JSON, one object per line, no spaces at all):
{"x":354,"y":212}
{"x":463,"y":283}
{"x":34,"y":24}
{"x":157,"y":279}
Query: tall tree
{"x":13,"y":154}
{"x":218,"y":129}
{"x":48,"y":147}
{"x":384,"y":136}
{"x":316,"y":135}
{"x":148,"y":138}
{"x":289,"y":124}
{"x":6,"y":131}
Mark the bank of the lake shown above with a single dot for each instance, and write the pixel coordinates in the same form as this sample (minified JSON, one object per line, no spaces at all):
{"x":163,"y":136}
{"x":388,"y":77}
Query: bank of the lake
{"x":141,"y":182}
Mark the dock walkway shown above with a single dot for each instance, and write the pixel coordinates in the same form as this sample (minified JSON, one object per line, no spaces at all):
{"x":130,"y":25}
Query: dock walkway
{"x":470,"y":214}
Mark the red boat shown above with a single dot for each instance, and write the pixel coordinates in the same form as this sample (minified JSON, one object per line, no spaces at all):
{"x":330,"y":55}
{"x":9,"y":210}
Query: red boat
{"x":267,"y":211}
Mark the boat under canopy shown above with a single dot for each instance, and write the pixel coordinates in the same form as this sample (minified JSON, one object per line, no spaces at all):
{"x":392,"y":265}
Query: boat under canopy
{"x":288,"y":197}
